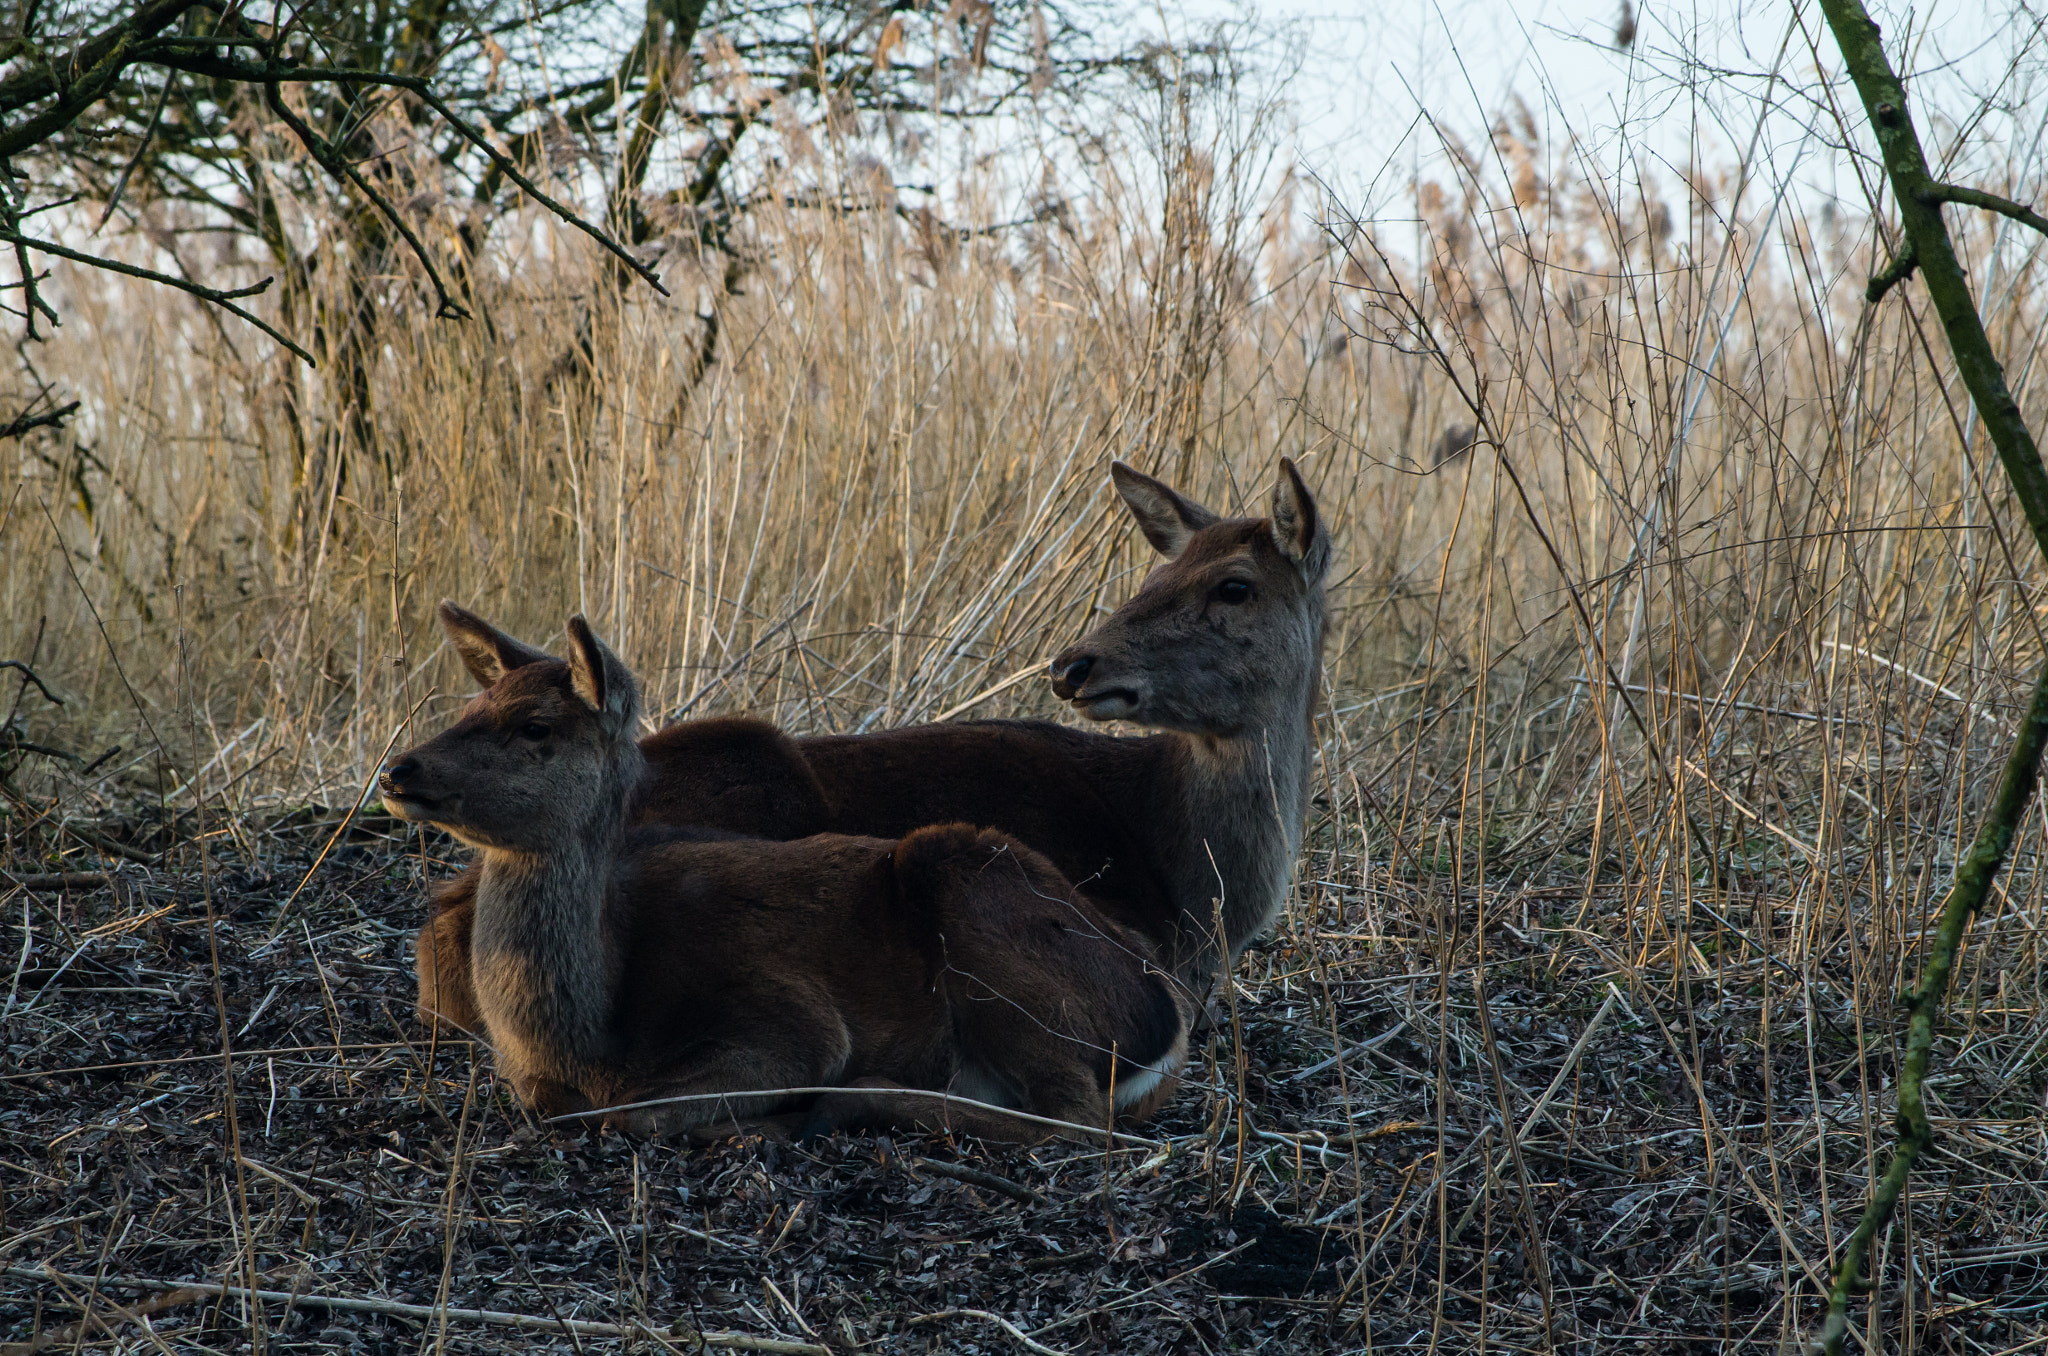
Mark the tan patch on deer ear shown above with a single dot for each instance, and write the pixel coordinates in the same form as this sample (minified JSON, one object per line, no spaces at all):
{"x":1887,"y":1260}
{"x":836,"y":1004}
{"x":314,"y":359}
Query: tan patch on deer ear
{"x":586,"y":664}
{"x":1297,"y":526}
{"x":488,"y":653}
{"x":1166,"y":517}
{"x":598,"y":676}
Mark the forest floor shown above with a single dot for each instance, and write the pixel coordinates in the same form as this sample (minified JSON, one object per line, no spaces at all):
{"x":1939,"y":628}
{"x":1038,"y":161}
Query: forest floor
{"x":1687,"y":1152}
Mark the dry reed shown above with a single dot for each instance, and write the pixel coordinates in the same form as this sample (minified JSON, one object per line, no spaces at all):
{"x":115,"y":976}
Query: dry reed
{"x":1676,"y":628}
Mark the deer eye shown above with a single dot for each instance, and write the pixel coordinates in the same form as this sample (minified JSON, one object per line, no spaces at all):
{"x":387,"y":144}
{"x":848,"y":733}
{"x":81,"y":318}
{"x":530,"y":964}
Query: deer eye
{"x":533,"y":729}
{"x":1233,"y":591}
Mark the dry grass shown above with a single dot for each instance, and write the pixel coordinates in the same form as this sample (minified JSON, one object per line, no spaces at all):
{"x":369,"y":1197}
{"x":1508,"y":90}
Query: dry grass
{"x":1670,"y":703}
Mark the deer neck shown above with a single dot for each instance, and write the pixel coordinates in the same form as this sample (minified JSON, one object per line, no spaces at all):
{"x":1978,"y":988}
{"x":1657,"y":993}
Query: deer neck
{"x":1241,"y":800}
{"x":545,"y":950}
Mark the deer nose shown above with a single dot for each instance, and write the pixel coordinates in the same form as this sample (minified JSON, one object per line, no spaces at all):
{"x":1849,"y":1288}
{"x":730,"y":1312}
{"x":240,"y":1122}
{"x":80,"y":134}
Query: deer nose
{"x":402,"y":771}
{"x":1068,"y":675}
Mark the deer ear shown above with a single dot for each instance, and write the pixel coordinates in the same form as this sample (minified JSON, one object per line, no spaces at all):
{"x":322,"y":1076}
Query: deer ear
{"x":601,"y":679}
{"x":488,"y":653}
{"x":1166,"y":517}
{"x":1297,"y":528}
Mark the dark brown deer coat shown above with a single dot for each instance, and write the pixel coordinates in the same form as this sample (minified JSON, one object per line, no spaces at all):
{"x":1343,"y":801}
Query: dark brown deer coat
{"x":613,"y":965}
{"x":1221,"y":649}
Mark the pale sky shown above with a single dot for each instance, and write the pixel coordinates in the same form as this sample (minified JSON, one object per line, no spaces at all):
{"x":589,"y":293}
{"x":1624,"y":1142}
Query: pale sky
{"x":1692,"y":86}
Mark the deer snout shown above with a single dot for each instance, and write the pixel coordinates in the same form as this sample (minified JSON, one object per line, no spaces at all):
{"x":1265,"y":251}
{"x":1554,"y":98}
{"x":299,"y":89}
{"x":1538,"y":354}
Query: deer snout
{"x":1099,"y":691}
{"x":1068,"y":673}
{"x":398,"y":785}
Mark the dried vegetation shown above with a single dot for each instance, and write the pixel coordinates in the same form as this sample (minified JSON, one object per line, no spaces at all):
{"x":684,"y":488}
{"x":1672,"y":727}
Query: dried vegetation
{"x":1677,"y":624}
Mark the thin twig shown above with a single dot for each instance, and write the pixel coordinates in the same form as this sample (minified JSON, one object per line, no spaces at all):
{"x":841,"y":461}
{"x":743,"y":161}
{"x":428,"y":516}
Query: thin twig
{"x":284,"y":910}
{"x":1023,"y":1338}
{"x":148,"y":134}
{"x":1538,"y":1252}
{"x":250,"y":73}
{"x":340,"y":168}
{"x":25,"y":422}
{"x":1088,"y":1134}
{"x":494,"y":1318}
{"x":975,"y":1177}
{"x":225,"y":299}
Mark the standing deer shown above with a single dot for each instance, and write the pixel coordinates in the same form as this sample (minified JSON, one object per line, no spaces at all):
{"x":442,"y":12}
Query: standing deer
{"x":1220,"y":651}
{"x":614,"y":964}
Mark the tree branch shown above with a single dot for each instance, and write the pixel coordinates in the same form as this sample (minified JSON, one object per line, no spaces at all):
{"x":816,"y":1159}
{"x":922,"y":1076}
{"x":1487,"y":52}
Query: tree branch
{"x":661,"y":58}
{"x":341,"y":169}
{"x":1990,"y":202}
{"x":224,"y":300}
{"x":1897,"y":271}
{"x":14,"y":428}
{"x":227,"y":68}
{"x":39,"y":79}
{"x":28,"y":675}
{"x":1920,"y":198}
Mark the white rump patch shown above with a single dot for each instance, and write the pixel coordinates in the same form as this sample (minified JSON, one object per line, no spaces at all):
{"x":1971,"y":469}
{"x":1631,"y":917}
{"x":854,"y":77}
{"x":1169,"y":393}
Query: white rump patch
{"x":1140,"y":1084}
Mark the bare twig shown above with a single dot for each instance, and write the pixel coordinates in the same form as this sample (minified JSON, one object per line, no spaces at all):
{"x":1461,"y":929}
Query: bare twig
{"x":338,"y":165}
{"x":225,"y":299}
{"x":1016,"y":1191}
{"x":142,"y":148}
{"x":1538,"y":1249}
{"x":60,"y":880}
{"x":1086,"y":1133}
{"x":25,"y":422}
{"x":1023,"y":1339}
{"x":251,"y":73}
{"x":190,"y":1291}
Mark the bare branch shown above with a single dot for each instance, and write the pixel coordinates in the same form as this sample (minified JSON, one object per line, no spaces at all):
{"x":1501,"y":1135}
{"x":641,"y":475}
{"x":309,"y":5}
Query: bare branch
{"x":340,"y":168}
{"x":226,"y":68}
{"x":28,"y":675}
{"x":1990,"y":202}
{"x":1928,"y":245}
{"x":148,"y":134}
{"x":14,"y":428}
{"x":223,"y":299}
{"x":1897,"y":271}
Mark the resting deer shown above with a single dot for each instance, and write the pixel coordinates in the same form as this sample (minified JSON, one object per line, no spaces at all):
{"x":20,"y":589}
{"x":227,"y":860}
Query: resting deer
{"x":615,"y":965}
{"x":1220,"y":650}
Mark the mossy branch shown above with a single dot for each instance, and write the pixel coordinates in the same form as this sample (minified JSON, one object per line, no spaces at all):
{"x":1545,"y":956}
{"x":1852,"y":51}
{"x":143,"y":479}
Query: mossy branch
{"x":1990,"y":202}
{"x":1928,"y":247}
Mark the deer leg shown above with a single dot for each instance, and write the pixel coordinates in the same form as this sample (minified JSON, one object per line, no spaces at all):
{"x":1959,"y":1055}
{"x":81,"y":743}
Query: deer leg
{"x":786,"y":1055}
{"x":783,"y":1127}
{"x":880,"y":1104}
{"x":550,"y":1097}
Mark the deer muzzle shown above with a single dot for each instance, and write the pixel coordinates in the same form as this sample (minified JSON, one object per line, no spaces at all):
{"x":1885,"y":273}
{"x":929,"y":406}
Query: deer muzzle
{"x":402,"y":798}
{"x":1068,"y":673}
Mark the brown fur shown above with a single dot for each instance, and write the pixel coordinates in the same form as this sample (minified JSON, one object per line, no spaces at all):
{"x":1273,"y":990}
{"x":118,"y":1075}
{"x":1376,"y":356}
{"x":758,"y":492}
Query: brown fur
{"x":1152,"y":829}
{"x":731,"y":773}
{"x":613,"y":965}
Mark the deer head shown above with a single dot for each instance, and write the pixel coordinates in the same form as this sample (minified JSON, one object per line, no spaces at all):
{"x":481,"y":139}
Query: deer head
{"x":1226,"y":634}
{"x":548,"y":746}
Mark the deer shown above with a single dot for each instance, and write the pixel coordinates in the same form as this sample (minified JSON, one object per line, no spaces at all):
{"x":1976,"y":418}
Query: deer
{"x":1219,"y":652}
{"x":618,"y":966}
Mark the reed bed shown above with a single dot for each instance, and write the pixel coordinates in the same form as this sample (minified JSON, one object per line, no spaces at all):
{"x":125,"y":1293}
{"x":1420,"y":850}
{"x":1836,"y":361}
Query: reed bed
{"x":1677,"y":622}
